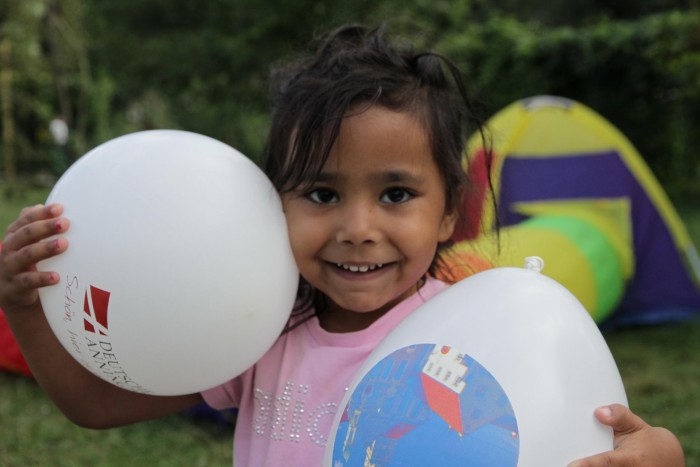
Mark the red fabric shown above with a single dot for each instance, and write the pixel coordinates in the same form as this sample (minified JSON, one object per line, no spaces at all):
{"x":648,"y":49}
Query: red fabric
{"x":11,"y":358}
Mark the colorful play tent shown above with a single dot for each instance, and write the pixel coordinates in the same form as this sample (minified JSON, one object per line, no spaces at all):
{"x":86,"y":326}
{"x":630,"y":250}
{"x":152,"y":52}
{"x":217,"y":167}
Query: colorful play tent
{"x":570,"y":188}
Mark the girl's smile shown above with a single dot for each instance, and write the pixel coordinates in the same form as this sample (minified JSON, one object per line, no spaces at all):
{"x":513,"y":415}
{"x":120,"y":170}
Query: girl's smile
{"x":361,"y":269}
{"x":366,"y":230}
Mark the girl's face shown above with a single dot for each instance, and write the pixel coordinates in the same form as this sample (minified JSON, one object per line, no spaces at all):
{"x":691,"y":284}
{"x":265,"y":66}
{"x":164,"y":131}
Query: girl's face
{"x":367,"y":229}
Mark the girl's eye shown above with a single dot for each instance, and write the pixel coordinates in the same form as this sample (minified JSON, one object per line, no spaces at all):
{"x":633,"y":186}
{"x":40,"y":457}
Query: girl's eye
{"x":322,"y":196}
{"x":396,"y":196}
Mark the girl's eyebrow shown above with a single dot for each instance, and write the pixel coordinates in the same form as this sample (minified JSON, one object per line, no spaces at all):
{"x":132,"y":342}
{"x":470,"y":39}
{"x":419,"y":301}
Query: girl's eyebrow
{"x":323,"y":177}
{"x":399,"y":176}
{"x":388,"y":176}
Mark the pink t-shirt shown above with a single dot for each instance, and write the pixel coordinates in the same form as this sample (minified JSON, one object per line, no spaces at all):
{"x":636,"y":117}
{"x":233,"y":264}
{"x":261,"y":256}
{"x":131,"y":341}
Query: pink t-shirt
{"x":287,"y":401}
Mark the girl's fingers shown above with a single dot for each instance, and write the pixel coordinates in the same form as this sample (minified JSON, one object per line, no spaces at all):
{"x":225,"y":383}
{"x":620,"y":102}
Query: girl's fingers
{"x":26,"y":215}
{"x":36,"y":213}
{"x":25,"y":259}
{"x":27,"y":242}
{"x":33,"y":280}
{"x":21,"y":290}
{"x":33,"y":228}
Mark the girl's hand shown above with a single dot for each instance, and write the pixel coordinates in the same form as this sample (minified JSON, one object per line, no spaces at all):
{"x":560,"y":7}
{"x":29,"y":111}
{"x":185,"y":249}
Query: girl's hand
{"x":25,"y":244}
{"x":636,"y":443}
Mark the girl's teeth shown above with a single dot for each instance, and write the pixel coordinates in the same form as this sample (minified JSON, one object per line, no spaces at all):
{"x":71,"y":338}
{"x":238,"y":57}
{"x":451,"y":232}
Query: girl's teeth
{"x":359,"y":268}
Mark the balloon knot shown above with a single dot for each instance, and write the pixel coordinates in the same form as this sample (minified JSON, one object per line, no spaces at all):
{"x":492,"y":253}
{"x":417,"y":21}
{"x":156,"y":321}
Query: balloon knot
{"x":534,"y":263}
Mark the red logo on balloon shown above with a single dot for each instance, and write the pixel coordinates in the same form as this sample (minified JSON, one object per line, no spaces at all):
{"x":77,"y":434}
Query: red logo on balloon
{"x":95,"y":307}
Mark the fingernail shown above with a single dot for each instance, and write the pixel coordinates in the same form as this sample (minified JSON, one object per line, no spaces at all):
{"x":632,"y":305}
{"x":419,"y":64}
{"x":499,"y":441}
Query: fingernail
{"x":56,"y":244}
{"x":58,"y":225}
{"x":606,"y":411}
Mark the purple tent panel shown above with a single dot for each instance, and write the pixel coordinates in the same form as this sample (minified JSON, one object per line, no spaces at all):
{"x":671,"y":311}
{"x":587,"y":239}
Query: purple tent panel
{"x":661,"y":289}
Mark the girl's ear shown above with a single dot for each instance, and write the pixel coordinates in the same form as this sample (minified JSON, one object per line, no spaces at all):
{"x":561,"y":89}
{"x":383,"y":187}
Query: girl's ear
{"x":450,"y":218}
{"x":447,"y":225}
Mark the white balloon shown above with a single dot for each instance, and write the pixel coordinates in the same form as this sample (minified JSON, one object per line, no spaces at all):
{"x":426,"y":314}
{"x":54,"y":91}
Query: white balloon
{"x":503,"y":368}
{"x":179,"y":274}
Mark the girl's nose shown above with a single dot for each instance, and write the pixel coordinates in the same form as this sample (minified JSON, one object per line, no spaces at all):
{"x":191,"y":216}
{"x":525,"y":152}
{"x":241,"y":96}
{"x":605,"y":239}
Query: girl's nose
{"x":358,"y":224}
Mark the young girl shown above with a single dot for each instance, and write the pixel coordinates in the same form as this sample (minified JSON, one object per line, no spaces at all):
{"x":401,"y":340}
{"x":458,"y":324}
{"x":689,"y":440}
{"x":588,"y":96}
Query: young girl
{"x":365,"y":149}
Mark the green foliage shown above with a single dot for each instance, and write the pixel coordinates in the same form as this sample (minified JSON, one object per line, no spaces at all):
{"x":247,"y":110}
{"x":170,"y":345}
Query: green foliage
{"x":205,"y":65}
{"x":31,"y":96}
{"x":581,"y":12}
{"x":642,"y":75}
{"x":117,"y":67}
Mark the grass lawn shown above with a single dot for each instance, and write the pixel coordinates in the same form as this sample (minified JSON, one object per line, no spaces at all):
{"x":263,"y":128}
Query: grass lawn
{"x":660,"y":367}
{"x":34,"y":433}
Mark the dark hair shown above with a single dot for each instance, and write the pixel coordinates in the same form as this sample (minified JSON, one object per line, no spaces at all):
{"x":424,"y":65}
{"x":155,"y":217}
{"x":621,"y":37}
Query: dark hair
{"x":355,"y":65}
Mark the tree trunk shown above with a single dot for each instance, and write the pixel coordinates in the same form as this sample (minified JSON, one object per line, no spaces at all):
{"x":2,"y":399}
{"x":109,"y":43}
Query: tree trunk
{"x":8,"y":122}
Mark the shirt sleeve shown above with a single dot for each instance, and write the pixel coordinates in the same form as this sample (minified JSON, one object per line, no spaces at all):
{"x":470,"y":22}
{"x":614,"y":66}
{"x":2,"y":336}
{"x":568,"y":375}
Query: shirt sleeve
{"x":224,"y":396}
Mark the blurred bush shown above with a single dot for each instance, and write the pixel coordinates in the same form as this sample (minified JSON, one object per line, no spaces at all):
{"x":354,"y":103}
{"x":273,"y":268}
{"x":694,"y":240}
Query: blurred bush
{"x":109,"y":68}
